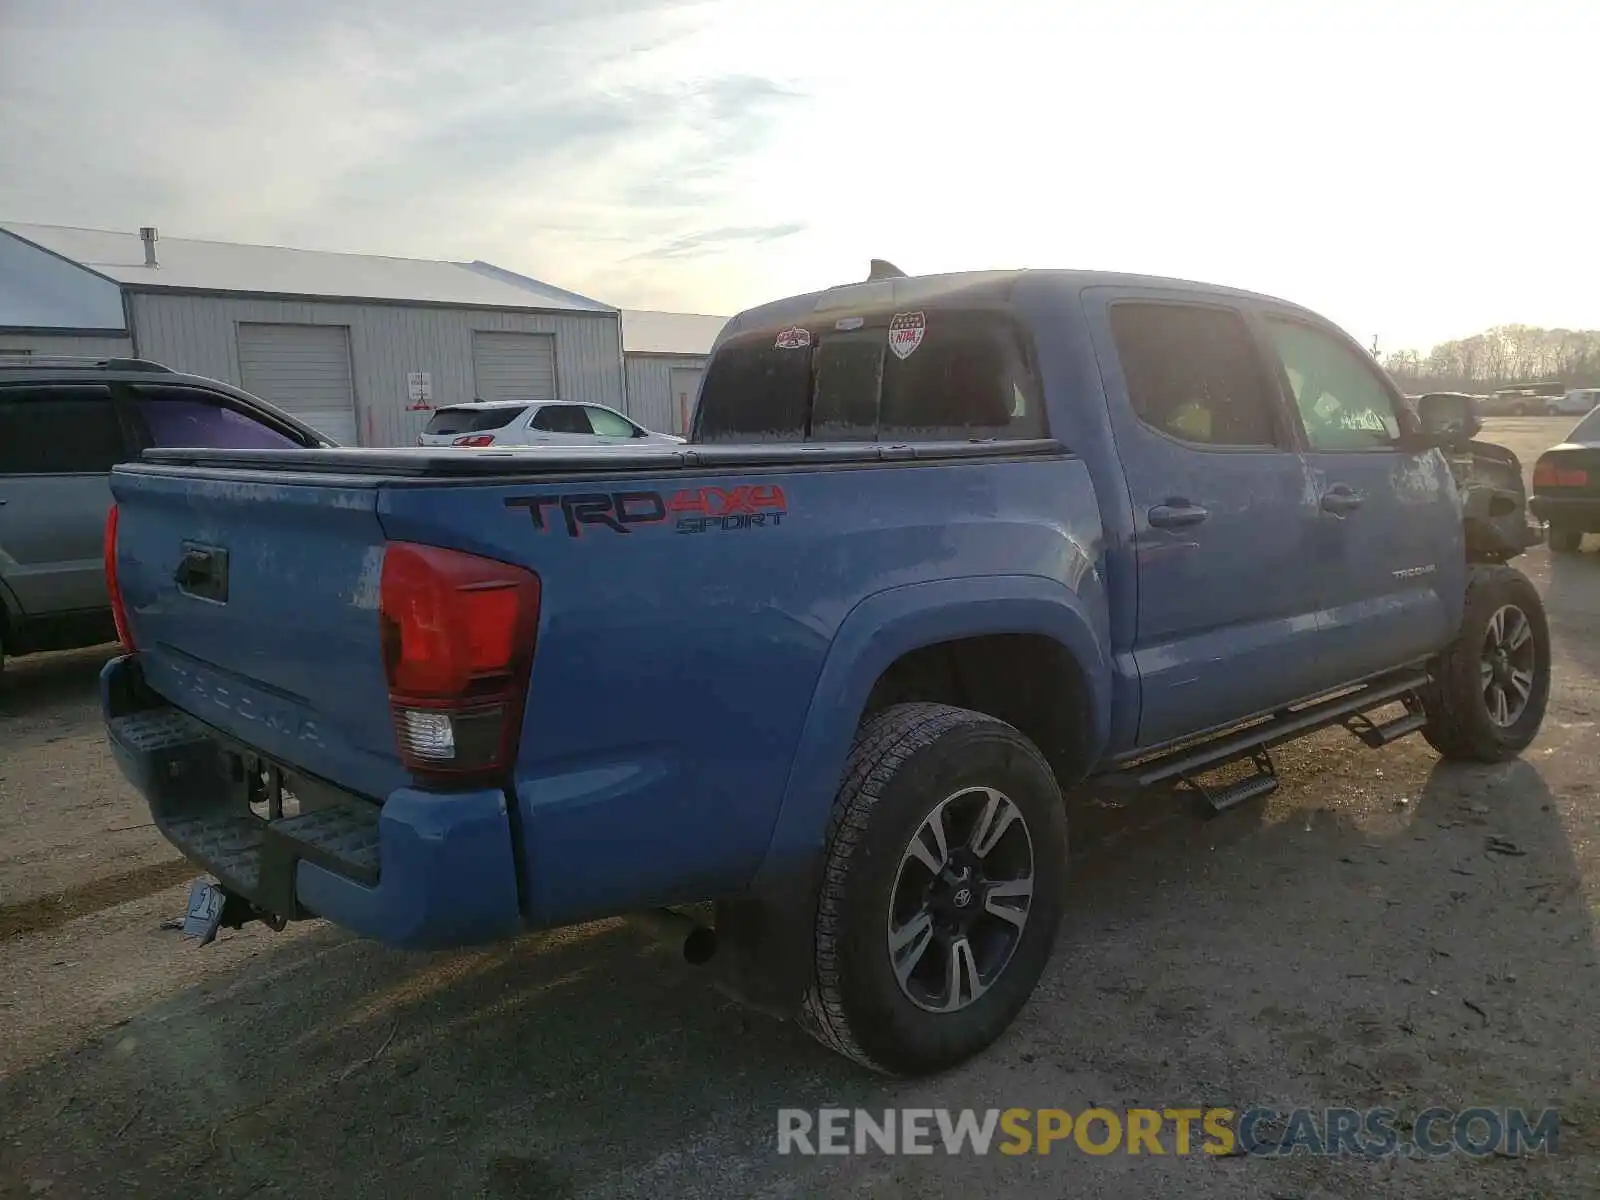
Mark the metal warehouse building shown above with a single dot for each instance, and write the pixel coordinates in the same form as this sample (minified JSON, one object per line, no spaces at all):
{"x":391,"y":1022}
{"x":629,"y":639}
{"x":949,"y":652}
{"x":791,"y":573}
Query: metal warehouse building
{"x":666,"y":354}
{"x":361,"y":347}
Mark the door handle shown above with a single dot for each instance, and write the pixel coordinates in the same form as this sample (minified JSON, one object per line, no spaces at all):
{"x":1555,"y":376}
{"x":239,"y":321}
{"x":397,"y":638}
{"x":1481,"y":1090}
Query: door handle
{"x":1177,"y":514}
{"x":1339,"y":500}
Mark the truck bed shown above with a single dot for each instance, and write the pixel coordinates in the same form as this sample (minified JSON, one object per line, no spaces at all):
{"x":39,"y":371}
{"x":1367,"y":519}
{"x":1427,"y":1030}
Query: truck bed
{"x":689,"y":598}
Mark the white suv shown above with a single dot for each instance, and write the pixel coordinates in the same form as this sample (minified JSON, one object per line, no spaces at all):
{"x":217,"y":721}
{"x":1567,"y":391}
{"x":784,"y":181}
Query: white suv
{"x":536,"y":423}
{"x":1576,"y":403}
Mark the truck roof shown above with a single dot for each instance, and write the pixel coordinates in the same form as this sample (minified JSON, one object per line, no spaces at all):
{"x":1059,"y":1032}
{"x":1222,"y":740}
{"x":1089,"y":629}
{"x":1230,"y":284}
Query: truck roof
{"x":517,"y":404}
{"x":974,"y":286}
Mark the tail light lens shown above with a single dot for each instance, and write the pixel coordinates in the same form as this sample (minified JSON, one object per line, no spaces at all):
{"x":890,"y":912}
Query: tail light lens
{"x":1551,"y":474}
{"x":119,"y":614}
{"x":458,"y":636}
{"x":475,"y":439}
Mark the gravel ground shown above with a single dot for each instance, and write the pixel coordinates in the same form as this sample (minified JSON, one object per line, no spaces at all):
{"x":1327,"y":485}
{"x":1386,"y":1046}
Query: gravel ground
{"x":1352,"y":941}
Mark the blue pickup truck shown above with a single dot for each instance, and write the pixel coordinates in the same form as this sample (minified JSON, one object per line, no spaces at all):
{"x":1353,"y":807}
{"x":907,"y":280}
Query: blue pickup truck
{"x":938,"y":549}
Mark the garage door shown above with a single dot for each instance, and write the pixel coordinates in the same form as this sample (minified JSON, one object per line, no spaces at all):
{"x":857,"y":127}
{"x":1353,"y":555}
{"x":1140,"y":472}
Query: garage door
{"x":514,"y":366}
{"x":305,"y":370}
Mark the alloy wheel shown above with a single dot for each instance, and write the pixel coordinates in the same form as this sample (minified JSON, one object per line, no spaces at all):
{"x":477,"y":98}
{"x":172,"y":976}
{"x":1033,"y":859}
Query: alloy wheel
{"x":1507,"y":666}
{"x":960,"y":899}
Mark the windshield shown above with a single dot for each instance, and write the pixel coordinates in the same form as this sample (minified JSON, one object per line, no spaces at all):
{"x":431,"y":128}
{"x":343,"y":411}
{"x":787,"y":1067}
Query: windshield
{"x":474,"y":420}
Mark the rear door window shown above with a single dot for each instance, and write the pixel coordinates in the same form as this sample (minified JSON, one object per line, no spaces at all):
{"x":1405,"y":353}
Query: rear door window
{"x":182,"y":417}
{"x":1193,"y":373}
{"x":562,"y":418}
{"x":920,"y":375}
{"x":473,"y":420}
{"x":68,"y":430}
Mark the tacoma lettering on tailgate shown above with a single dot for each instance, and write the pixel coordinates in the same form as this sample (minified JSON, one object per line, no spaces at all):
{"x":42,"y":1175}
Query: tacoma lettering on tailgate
{"x":281,"y":716}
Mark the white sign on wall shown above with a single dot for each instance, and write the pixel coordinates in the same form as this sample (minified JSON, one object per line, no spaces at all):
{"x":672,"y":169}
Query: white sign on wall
{"x":419,"y":388}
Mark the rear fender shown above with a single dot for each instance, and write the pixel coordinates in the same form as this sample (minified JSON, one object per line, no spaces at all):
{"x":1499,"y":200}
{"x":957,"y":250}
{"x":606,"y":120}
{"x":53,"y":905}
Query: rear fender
{"x":766,"y":935}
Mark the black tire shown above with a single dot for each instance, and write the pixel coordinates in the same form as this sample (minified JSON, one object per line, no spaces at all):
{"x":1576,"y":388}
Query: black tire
{"x":908,"y":762}
{"x":1460,"y":725}
{"x":1565,"y":540}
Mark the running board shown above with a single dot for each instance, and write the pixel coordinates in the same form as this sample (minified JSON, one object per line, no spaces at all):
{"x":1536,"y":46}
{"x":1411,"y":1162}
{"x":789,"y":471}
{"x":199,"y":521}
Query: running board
{"x":1262,"y":781}
{"x":1379,"y":736}
{"x":1291,"y":723}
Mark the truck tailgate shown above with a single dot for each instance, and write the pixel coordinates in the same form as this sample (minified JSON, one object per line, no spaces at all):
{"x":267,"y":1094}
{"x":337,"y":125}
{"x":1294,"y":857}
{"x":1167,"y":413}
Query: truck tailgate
{"x":252,"y":601}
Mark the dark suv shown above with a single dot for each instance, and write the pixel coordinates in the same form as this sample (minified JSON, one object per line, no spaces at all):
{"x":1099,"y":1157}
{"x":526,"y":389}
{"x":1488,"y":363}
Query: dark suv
{"x":64,"y":423}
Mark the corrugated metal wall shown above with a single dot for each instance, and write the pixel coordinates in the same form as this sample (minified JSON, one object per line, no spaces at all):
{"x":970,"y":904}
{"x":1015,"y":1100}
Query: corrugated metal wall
{"x":199,"y":334}
{"x":85,"y":347}
{"x":650,"y":398}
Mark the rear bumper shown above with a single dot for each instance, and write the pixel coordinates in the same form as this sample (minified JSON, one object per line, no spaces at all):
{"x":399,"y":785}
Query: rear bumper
{"x":1580,"y":512}
{"x":423,"y":869}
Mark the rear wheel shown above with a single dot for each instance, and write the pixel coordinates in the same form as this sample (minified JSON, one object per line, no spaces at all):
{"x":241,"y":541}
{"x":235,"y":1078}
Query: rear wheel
{"x":946,"y":857}
{"x":1565,"y":540}
{"x":1490,"y":688}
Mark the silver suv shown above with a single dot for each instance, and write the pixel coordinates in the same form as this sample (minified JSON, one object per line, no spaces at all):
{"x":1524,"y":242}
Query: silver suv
{"x":64,"y":423}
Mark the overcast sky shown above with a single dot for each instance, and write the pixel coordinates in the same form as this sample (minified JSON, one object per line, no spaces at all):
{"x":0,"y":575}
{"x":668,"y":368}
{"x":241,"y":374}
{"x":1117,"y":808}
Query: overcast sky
{"x":1413,"y":169}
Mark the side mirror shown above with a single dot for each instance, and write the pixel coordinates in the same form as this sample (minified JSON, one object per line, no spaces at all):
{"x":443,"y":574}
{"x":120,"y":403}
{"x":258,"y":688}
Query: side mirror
{"x":1449,"y":418}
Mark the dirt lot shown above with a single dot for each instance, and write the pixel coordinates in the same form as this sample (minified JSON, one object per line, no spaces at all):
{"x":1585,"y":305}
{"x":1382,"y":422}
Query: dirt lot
{"x":1350,"y":942}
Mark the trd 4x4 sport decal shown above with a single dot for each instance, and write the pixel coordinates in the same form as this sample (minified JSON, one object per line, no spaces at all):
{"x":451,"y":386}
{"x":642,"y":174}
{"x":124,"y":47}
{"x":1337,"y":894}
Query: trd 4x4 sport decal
{"x":693,"y":510}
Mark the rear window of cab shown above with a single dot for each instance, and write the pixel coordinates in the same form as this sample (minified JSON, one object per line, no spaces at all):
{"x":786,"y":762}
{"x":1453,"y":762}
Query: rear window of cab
{"x":932,"y":374}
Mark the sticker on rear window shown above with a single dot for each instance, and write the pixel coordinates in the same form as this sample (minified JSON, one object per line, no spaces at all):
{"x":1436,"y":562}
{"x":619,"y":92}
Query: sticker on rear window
{"x":794,"y":338}
{"x":905,"y":333}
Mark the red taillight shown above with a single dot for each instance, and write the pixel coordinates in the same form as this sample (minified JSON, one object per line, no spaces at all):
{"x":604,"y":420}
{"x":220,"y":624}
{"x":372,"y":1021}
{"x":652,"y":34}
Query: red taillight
{"x":475,"y":439}
{"x":1552,"y":474}
{"x":113,"y":589}
{"x":458,"y":634}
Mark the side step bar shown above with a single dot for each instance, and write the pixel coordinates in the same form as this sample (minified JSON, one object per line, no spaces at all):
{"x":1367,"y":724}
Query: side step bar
{"x":1262,"y":780}
{"x":1347,"y":708}
{"x":1379,"y":736}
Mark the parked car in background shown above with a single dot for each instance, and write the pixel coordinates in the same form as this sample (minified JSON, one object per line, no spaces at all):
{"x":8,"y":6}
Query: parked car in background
{"x":64,"y":423}
{"x":1566,"y":486}
{"x":1576,"y":403}
{"x":529,"y":423}
{"x":1504,"y":405}
{"x":1548,"y":399}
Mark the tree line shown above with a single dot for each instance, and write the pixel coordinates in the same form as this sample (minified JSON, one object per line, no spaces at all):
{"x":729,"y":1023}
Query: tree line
{"x":1504,"y":356}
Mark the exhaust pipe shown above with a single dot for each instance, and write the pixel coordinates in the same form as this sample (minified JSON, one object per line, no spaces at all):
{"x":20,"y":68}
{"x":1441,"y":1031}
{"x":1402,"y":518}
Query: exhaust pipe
{"x":698,"y":942}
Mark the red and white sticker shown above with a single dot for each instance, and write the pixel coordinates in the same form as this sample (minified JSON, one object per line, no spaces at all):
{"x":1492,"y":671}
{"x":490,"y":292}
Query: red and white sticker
{"x":794,"y":338}
{"x":906,"y":331}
